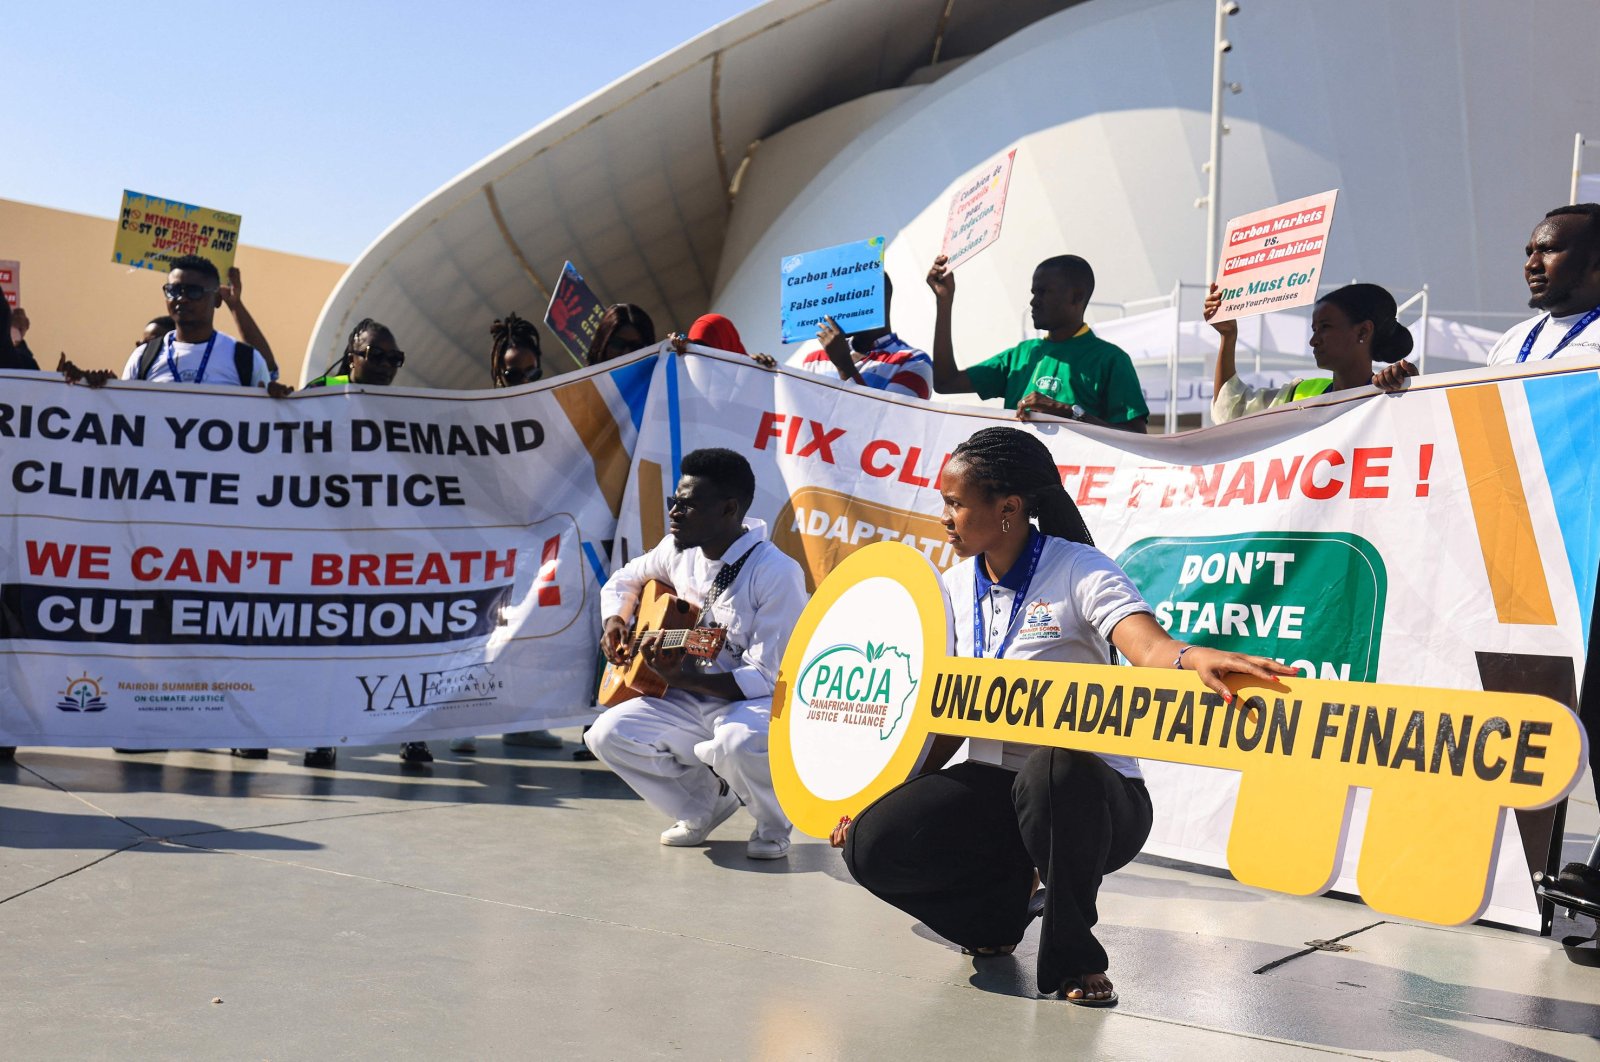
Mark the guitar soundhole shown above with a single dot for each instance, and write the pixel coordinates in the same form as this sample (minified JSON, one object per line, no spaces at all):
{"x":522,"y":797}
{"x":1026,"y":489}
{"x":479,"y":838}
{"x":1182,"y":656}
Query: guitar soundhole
{"x":681,"y":605}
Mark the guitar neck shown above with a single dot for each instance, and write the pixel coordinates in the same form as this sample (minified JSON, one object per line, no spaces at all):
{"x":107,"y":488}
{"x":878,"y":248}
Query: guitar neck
{"x":675,"y":639}
{"x":696,"y":641}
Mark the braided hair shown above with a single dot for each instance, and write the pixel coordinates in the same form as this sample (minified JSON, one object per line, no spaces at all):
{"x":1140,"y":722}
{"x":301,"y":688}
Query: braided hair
{"x":619,"y":315}
{"x":1012,"y":461}
{"x":512,"y":331}
{"x":365,"y":326}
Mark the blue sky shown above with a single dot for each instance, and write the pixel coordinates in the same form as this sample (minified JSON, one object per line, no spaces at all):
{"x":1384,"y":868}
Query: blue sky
{"x":320,"y":123}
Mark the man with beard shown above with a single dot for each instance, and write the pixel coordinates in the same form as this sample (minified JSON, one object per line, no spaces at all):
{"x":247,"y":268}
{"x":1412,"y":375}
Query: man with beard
{"x":1563,"y":275}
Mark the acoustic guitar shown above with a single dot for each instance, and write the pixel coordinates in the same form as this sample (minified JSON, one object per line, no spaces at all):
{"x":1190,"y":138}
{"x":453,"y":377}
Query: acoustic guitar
{"x":658,"y":610}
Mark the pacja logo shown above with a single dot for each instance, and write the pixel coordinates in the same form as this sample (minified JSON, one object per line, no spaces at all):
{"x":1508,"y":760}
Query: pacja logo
{"x":861,"y":687}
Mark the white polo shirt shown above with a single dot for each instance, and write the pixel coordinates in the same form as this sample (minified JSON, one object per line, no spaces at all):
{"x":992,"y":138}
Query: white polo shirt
{"x":186,"y":358}
{"x":1075,"y":599}
{"x":1508,"y":346}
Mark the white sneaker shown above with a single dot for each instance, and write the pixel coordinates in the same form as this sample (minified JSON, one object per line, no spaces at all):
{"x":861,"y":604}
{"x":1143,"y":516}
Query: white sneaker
{"x":466,"y":744}
{"x":684,"y":835}
{"x":760,"y":849}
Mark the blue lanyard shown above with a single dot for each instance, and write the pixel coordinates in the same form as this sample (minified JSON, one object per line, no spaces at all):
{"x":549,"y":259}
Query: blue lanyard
{"x":1572,"y":333}
{"x":979,"y":642}
{"x":205,"y":359}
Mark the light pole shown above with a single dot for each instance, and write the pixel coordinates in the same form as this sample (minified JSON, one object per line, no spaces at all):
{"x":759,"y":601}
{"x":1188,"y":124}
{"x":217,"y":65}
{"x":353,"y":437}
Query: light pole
{"x":1221,"y":47}
{"x":1577,"y":164}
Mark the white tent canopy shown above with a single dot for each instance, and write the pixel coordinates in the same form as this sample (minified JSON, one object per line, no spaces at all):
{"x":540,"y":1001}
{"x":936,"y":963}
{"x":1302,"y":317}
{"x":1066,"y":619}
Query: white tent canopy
{"x":1273,"y":349}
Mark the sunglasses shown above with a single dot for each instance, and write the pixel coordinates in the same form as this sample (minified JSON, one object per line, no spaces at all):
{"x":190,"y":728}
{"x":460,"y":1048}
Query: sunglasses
{"x":186,"y":291}
{"x":513,"y":377}
{"x":396,"y":358}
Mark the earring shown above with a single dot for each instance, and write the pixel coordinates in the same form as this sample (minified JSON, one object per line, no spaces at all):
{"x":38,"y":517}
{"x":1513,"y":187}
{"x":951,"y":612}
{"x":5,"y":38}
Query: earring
{"x":1005,"y":525}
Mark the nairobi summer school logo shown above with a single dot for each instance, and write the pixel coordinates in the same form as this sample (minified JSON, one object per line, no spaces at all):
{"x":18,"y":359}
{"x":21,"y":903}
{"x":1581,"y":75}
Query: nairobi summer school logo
{"x":83,"y":694}
{"x":870,"y":686}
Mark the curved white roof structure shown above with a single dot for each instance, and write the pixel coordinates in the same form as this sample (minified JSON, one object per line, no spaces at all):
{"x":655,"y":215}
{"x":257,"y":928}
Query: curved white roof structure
{"x":632,"y":184}
{"x":1447,"y":125}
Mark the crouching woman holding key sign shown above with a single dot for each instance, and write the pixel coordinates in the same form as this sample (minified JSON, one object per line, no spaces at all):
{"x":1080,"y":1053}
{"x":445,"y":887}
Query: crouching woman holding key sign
{"x":964,"y":848}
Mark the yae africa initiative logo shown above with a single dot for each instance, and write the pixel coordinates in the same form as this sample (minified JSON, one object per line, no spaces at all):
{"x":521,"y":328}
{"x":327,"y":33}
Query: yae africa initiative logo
{"x":418,"y":690}
{"x":83,"y":694}
{"x":871,"y":686}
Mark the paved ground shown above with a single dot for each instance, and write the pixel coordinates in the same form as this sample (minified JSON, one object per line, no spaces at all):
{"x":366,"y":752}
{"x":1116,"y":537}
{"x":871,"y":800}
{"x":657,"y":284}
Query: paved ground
{"x":516,"y":905}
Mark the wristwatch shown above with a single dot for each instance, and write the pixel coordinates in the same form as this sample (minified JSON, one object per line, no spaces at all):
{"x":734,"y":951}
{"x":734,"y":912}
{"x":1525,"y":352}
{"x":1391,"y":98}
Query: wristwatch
{"x":1077,"y":412}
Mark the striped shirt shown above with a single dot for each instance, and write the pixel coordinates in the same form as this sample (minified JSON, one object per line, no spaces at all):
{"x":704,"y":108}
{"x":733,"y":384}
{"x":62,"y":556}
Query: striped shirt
{"x":891,"y":365}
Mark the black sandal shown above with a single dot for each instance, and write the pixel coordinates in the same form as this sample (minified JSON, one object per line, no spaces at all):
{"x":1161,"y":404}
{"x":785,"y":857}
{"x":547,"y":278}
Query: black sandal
{"x":1072,"y":982}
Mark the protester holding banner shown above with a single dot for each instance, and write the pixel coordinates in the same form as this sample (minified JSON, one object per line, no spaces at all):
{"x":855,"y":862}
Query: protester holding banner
{"x":700,"y":750}
{"x":716,"y":331}
{"x":194,"y":351}
{"x":1071,"y":373}
{"x":1562,"y":271}
{"x":14,"y":355}
{"x":1351,"y":328}
{"x":959,"y":848}
{"x":624,"y":328}
{"x":1563,"y":275}
{"x":371,"y":358}
{"x":515,"y":357}
{"x":515,"y":351}
{"x":875,"y":358}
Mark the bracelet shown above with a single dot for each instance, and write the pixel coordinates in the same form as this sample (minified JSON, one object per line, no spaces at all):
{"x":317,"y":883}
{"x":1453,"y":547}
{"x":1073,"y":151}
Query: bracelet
{"x":1178,"y":663}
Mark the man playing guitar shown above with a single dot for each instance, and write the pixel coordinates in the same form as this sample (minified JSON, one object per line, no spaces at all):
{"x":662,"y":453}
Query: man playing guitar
{"x":700,"y":750}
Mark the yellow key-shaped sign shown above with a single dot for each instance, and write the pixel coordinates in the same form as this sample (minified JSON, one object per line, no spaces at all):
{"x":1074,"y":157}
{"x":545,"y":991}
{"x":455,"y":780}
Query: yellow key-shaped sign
{"x":869,"y":678}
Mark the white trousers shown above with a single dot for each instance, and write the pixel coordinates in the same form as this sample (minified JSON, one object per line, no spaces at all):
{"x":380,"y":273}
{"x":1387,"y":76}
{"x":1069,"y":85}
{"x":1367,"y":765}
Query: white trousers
{"x":661,"y":746}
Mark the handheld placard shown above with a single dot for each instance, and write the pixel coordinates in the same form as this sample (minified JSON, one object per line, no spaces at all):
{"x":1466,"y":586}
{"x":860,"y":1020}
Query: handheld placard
{"x":869,"y":677}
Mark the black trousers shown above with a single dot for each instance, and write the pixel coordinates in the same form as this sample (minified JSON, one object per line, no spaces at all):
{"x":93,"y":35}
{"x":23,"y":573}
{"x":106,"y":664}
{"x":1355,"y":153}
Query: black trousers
{"x":957,"y":849}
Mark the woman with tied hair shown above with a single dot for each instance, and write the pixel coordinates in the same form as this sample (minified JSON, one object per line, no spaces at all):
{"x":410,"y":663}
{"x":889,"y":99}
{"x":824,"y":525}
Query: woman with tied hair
{"x":624,"y":328}
{"x":1351,"y":328}
{"x":964,"y":848}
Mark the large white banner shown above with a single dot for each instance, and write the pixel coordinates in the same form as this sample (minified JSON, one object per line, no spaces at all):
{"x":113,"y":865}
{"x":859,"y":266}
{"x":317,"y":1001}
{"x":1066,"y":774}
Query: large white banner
{"x":1446,"y":536}
{"x":200,"y":567}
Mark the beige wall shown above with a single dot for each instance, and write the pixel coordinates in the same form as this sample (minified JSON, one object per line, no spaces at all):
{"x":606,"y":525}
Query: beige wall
{"x":82,"y":303}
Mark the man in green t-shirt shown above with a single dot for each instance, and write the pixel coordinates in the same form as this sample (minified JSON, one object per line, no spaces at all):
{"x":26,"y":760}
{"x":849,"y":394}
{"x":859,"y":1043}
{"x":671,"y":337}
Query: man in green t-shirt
{"x":1071,"y":373}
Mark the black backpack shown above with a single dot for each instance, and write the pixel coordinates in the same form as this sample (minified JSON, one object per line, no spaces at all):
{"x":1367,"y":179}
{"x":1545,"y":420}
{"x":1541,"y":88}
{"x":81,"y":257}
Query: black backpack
{"x":244,"y":360}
